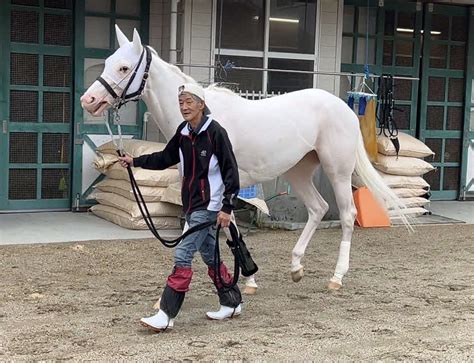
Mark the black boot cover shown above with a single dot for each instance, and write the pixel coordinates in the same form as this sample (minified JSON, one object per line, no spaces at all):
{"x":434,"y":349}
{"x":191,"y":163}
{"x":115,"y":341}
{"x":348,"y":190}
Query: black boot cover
{"x":230,"y":297}
{"x":171,"y":301}
{"x":247,"y":266}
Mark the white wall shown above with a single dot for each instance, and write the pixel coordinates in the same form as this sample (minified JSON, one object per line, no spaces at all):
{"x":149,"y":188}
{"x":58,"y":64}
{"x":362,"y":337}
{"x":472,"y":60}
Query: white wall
{"x":159,"y":40}
{"x":330,"y":38}
{"x":197,"y":38}
{"x":156,"y":24}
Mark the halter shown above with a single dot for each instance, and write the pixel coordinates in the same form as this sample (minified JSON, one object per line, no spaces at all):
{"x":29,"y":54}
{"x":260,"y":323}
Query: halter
{"x":135,"y":96}
{"x":121,"y":100}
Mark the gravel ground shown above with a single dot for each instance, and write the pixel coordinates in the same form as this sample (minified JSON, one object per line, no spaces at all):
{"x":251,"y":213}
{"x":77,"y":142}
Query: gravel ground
{"x":406,"y":297}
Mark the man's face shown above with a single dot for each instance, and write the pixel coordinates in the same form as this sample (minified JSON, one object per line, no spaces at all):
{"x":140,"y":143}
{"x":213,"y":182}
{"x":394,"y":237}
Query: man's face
{"x":190,"y":107}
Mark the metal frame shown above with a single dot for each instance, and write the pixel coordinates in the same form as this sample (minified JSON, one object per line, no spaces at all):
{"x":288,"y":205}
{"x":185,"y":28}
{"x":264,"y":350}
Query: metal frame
{"x":38,"y":127}
{"x":81,"y":129}
{"x":424,"y":103}
{"x":468,"y":134}
{"x":4,"y":82}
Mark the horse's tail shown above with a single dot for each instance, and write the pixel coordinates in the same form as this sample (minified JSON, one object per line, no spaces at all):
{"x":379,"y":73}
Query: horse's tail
{"x":377,"y":185}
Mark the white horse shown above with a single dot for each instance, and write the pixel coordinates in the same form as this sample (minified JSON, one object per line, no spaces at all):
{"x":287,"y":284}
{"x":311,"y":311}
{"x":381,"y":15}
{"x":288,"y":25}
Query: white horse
{"x":289,"y":135}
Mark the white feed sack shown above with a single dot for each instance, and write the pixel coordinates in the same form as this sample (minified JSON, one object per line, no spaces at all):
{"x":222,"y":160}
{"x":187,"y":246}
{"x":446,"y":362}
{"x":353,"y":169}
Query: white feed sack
{"x":115,"y":196}
{"x":124,"y":219}
{"x":152,"y":178}
{"x":409,"y":146}
{"x":133,"y":148}
{"x":411,"y":212}
{"x":397,"y":181}
{"x":402,"y":165}
{"x":155,"y":209}
{"x":415,"y":202}
{"x":124,"y":188}
{"x":172,"y":194}
{"x":104,"y":161}
{"x":409,"y":192}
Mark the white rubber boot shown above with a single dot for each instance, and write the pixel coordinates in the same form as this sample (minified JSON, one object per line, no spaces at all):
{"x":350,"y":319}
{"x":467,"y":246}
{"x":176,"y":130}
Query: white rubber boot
{"x":158,"y":322}
{"x":224,"y":312}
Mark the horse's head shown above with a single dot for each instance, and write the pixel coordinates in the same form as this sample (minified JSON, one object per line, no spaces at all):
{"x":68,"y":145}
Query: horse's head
{"x":118,"y":71}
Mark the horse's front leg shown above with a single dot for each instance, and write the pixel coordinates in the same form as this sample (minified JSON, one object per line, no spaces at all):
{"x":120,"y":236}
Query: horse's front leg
{"x":297,"y":270}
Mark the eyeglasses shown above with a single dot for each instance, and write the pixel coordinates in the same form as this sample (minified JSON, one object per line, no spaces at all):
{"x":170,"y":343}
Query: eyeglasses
{"x":181,"y":88}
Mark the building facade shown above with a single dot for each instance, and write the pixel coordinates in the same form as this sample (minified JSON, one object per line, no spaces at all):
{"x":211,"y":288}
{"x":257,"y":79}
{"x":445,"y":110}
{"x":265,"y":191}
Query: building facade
{"x":52,"y":50}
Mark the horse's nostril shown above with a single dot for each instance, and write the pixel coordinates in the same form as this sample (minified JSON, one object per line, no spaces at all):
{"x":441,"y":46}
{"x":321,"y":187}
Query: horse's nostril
{"x":92,"y":99}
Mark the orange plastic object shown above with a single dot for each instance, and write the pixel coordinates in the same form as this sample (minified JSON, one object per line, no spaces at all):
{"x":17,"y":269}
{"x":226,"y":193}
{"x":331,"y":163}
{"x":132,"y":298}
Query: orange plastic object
{"x":369,"y":211}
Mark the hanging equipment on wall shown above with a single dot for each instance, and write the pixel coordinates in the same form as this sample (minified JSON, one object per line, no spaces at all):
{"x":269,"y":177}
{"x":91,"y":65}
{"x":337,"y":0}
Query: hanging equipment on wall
{"x":387,"y":124}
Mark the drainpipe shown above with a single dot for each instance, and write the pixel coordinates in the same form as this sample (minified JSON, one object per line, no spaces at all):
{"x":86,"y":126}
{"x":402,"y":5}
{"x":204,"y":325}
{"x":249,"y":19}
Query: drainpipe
{"x":173,"y":30}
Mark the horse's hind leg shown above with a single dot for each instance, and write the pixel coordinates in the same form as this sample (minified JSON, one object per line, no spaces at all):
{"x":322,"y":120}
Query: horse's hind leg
{"x":301,"y":180}
{"x":339,"y":173}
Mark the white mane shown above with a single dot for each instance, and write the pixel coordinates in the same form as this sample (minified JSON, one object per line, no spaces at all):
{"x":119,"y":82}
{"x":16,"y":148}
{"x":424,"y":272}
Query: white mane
{"x":216,"y":88}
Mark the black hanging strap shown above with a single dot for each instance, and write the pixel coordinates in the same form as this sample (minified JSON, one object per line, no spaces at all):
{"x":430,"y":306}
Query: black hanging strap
{"x":385,"y":107}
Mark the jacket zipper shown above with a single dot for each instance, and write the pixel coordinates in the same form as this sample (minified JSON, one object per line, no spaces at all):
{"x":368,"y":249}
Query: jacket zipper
{"x":194,"y":171}
{"x":203,"y":190}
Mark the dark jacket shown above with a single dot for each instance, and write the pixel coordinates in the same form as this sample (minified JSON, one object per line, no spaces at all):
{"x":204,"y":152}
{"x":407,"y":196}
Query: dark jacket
{"x":210,"y":177}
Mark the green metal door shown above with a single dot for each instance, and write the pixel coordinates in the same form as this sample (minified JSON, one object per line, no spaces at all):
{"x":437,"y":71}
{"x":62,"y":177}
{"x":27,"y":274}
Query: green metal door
{"x":3,"y":103}
{"x":35,"y":94}
{"x":467,"y":170}
{"x":442,"y":103}
{"x":399,"y":50}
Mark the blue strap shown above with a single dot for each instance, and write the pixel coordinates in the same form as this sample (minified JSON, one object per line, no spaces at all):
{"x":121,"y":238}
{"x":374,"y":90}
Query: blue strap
{"x":350,"y":102}
{"x":362,"y":105}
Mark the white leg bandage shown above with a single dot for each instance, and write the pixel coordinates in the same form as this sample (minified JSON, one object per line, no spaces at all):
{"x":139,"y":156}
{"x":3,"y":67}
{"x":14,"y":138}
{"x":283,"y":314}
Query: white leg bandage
{"x":343,"y":260}
{"x":251,"y":281}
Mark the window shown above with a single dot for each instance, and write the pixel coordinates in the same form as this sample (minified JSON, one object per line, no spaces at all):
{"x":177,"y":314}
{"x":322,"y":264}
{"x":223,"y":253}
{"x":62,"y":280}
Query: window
{"x":288,"y":25}
{"x":288,"y":82}
{"x":243,"y":24}
{"x":358,"y":25}
{"x":292,"y":26}
{"x":244,"y":80}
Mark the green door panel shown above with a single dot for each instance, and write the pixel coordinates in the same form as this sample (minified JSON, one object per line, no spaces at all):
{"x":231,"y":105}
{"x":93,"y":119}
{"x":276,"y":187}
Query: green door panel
{"x":36,"y":98}
{"x":467,"y":168}
{"x":433,"y":43}
{"x":442,"y":100}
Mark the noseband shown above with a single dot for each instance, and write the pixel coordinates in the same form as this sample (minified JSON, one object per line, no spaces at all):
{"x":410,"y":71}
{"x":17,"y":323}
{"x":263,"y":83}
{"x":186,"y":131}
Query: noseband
{"x":135,"y":96}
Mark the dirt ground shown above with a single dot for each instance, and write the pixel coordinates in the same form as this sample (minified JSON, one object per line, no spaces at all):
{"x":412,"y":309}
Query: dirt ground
{"x":406,"y":297}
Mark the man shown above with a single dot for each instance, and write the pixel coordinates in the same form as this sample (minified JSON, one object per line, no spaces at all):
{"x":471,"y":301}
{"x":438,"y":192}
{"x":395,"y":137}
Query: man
{"x":210,"y":183}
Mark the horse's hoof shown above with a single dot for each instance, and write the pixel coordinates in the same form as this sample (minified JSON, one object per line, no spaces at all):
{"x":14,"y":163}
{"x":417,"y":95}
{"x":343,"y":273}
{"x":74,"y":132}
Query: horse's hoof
{"x":334,"y":286}
{"x":296,"y":276}
{"x":249,"y":290}
{"x":157,"y":304}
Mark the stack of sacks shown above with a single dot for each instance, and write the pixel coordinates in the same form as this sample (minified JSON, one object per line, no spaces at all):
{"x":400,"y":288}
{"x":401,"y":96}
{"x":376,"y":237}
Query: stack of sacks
{"x":403,"y":173}
{"x":115,"y":196}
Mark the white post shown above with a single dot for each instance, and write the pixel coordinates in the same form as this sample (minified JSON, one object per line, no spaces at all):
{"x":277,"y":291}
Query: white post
{"x":173,"y":30}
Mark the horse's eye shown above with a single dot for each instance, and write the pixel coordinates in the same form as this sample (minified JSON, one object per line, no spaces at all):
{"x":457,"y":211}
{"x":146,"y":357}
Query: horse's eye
{"x":124,"y":69}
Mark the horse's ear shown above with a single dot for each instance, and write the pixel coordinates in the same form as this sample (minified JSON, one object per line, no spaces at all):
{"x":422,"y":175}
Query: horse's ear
{"x":121,"y":37}
{"x":137,"y":42}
